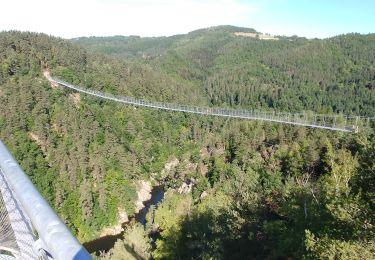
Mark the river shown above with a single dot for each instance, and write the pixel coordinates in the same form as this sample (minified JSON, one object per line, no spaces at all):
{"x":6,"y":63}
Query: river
{"x":107,"y":242}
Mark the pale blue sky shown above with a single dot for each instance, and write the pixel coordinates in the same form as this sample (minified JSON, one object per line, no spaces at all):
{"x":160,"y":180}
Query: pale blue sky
{"x":315,"y":18}
{"x":73,"y":18}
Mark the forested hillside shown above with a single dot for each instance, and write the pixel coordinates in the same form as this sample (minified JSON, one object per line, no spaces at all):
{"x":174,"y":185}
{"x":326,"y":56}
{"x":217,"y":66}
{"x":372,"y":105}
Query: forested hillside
{"x":84,"y":154}
{"x":234,"y":189}
{"x":291,"y":74}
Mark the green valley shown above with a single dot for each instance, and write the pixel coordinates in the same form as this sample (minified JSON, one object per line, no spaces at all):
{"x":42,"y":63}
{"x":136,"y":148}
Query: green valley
{"x":232,"y":188}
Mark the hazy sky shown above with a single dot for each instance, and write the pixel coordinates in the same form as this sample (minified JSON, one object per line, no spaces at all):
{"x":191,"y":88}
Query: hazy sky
{"x":73,"y":18}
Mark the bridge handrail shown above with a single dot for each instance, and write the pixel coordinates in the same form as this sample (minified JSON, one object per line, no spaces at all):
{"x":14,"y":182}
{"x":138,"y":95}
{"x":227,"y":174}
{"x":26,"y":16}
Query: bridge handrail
{"x":54,"y":234}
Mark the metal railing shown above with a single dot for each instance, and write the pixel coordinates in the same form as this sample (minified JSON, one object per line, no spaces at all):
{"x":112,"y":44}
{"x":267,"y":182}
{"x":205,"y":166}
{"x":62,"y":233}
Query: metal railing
{"x":54,"y":239}
{"x":331,"y":122}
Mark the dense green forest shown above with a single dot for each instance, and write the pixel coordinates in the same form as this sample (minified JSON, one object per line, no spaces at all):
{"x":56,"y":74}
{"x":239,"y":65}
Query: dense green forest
{"x":258,"y":190}
{"x":291,"y":74}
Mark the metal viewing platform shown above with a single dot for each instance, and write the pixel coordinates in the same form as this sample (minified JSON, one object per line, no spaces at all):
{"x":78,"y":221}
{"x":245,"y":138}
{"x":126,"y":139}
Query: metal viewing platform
{"x":29,"y":227}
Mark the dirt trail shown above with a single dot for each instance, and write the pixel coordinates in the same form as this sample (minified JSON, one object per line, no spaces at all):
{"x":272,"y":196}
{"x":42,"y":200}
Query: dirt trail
{"x":47,"y":75}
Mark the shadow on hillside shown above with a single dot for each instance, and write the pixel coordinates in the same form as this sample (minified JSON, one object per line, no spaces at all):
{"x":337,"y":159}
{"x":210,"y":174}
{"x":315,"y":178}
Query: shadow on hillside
{"x":208,"y":236}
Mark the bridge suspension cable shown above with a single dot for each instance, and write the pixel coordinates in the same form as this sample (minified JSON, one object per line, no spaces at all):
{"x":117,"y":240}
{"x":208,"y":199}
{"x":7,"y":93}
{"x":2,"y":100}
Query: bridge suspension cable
{"x":330,"y":122}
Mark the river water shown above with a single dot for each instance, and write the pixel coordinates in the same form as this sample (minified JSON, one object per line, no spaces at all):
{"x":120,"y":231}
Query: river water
{"x":107,"y":242}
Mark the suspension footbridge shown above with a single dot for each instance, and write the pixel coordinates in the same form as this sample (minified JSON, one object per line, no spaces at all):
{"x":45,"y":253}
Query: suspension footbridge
{"x":330,"y":122}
